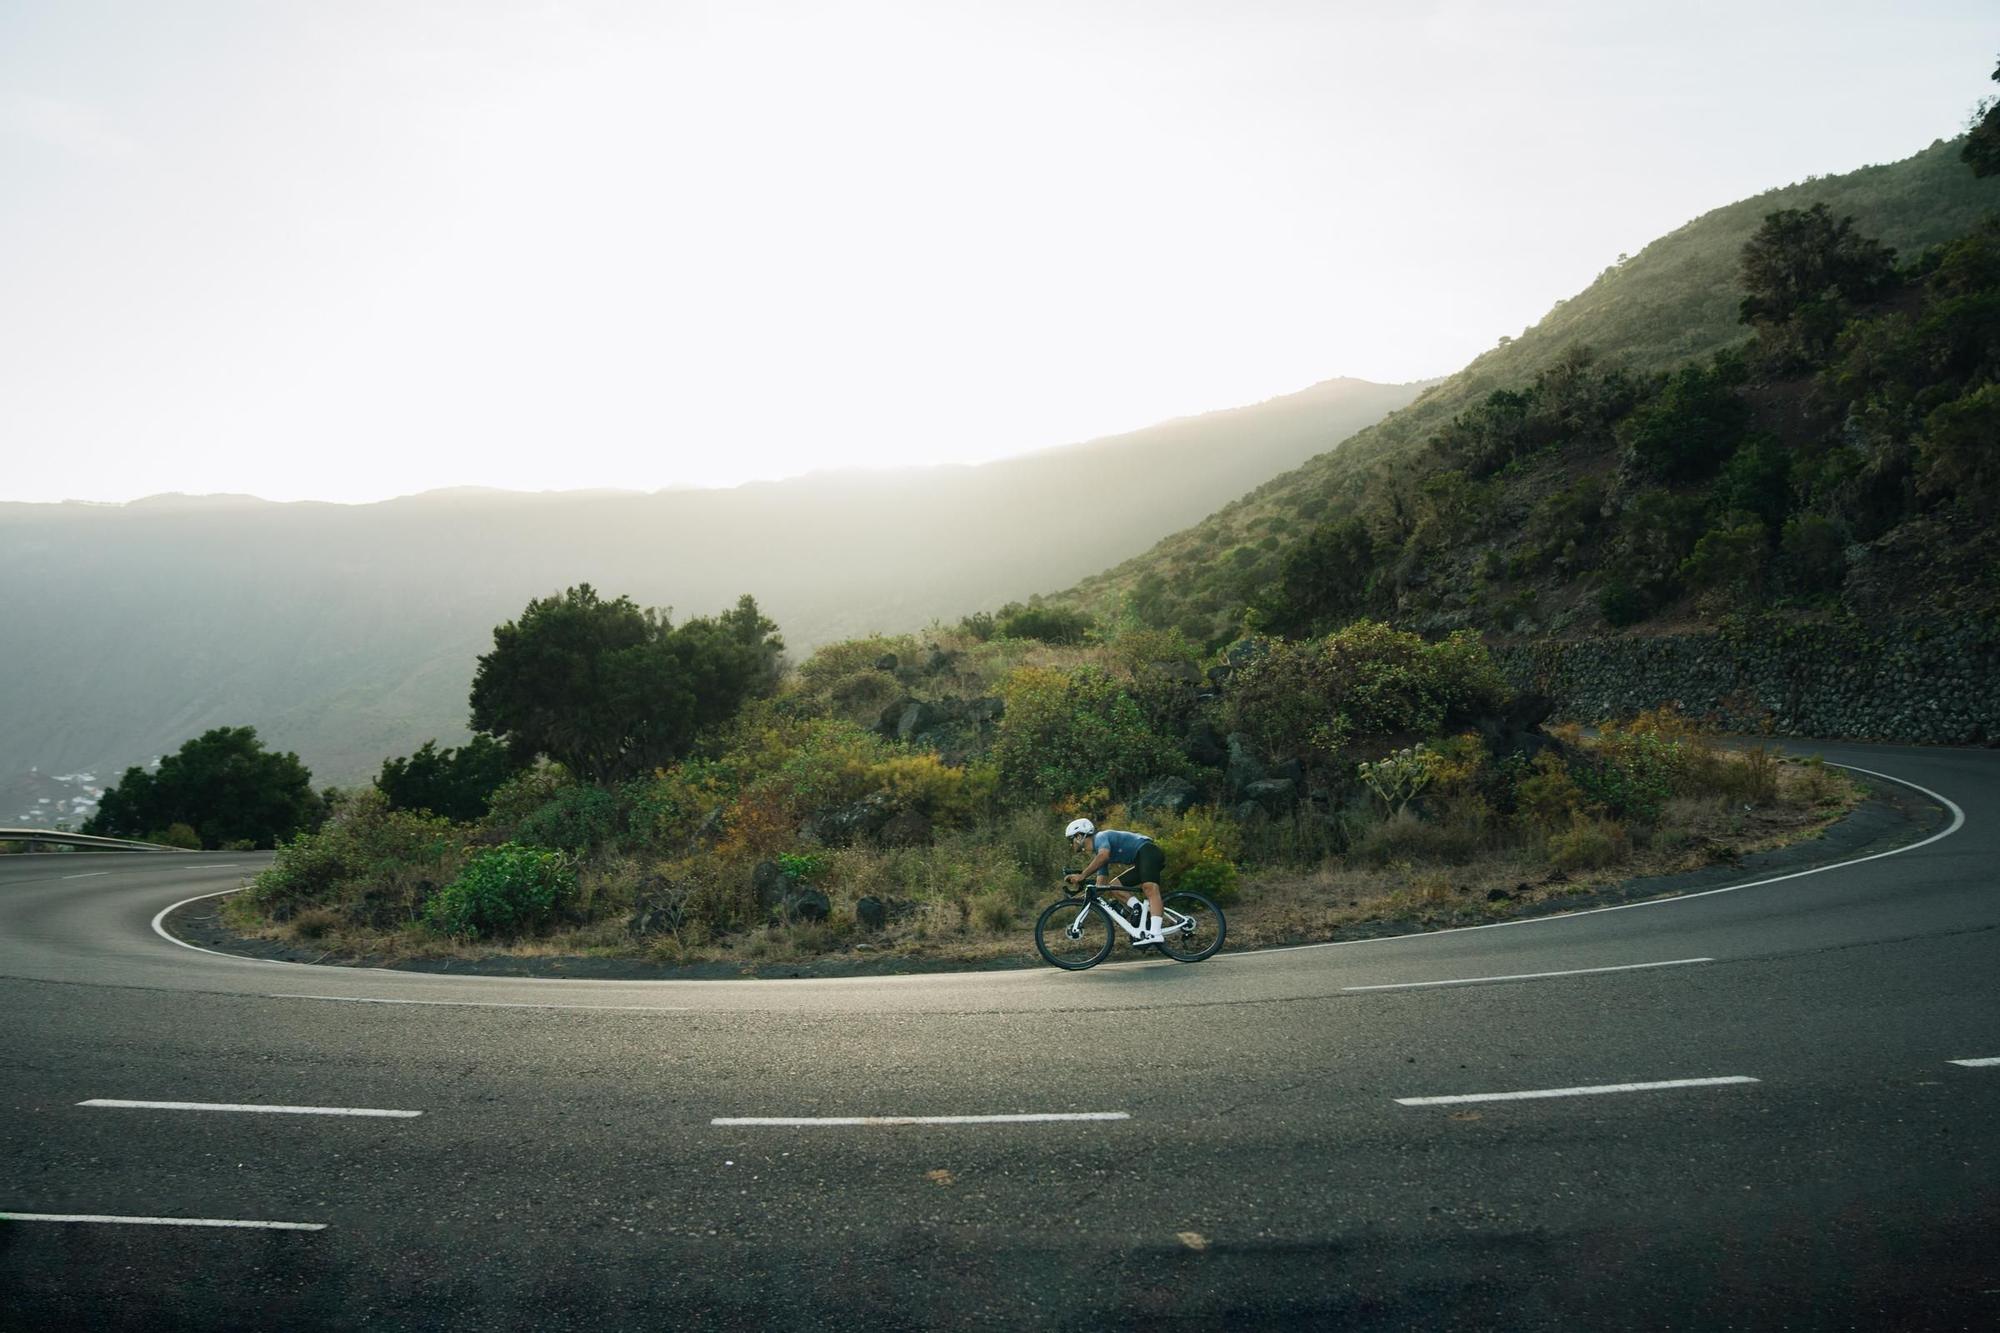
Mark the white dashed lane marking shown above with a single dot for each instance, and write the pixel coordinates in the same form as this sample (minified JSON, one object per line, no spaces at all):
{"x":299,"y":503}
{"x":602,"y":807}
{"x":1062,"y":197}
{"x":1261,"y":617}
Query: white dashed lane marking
{"x":1530,"y":976}
{"x":491,"y":1004}
{"x":119,"y":1104}
{"x":803,"y":1121}
{"x":163,"y":1221}
{"x":1599,"y":1090}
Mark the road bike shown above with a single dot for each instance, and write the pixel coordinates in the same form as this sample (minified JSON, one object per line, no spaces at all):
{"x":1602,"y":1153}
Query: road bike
{"x":1075,"y":933}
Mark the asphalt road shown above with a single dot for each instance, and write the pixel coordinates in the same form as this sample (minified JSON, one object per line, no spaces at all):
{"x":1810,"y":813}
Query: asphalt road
{"x":566,"y":1169}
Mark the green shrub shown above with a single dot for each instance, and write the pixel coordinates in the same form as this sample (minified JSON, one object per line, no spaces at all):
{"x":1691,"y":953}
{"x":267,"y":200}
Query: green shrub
{"x":802,"y":865}
{"x":1621,"y":604}
{"x":577,"y":819}
{"x":1311,"y":697}
{"x":177,"y":835}
{"x":1075,"y":737}
{"x":1814,"y":553}
{"x":1202,"y":847}
{"x":503,"y":891}
{"x":1688,"y":429}
{"x":840,"y":661}
{"x":1631,"y":771}
{"x":371,"y":865}
{"x":923,"y":781}
{"x":1547,"y":795}
{"x":522,"y":795}
{"x":1048,"y":624}
{"x":1218,"y":881}
{"x":1729,"y":555}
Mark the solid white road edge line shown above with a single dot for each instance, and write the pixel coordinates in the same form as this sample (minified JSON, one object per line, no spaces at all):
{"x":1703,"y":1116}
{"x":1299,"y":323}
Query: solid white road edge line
{"x":162,"y":1221}
{"x":1599,"y":1090}
{"x":1531,"y":976}
{"x":1957,"y":822}
{"x":809,"y":1120}
{"x":160,"y":929}
{"x":494,"y":1004}
{"x":1980,"y":1063}
{"x":238,"y":1106}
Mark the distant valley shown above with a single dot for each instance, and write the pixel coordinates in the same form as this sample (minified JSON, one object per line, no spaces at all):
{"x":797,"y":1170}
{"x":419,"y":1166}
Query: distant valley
{"x":350,"y":633}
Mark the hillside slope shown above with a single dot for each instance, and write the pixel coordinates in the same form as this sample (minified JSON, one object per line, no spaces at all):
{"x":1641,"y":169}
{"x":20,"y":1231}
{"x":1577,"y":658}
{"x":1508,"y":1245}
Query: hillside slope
{"x":1674,"y":301}
{"x":349,"y":633}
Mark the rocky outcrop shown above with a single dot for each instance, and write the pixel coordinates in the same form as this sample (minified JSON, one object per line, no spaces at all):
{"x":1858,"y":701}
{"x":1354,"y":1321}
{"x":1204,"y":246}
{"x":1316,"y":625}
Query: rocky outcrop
{"x":910,"y":719}
{"x":856,"y":821}
{"x":1164,"y":796}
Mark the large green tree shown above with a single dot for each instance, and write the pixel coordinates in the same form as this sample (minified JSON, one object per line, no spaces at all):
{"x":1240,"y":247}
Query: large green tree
{"x":1802,"y":270}
{"x":456,"y":783}
{"x":223,"y":784}
{"x":611,"y":690}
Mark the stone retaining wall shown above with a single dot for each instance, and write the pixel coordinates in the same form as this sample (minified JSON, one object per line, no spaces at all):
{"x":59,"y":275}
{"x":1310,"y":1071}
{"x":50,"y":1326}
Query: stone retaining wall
{"x":1930,"y":683}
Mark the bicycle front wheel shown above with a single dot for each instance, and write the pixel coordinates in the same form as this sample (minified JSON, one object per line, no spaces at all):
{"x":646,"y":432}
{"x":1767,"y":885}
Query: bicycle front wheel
{"x":1195,"y":927}
{"x":1073,"y":935}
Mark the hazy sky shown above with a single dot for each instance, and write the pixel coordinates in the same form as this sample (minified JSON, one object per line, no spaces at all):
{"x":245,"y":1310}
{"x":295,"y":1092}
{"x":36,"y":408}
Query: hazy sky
{"x":347,"y":250}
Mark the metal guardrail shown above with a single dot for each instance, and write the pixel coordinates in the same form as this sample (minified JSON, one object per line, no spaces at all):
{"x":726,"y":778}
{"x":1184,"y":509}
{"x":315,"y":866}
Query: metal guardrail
{"x":84,"y":841}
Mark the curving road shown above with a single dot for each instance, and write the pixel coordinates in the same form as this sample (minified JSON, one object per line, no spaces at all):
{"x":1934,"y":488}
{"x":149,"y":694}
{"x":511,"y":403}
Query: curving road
{"x":1310,"y":1137}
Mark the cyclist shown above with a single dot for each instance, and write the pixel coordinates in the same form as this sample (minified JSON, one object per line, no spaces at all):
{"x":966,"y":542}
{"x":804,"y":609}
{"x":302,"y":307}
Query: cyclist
{"x":1135,"y":850}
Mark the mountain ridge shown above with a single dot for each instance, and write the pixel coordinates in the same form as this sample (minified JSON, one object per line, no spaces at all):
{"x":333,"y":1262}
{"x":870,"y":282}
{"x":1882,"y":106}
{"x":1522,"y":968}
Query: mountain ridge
{"x":349,"y":633}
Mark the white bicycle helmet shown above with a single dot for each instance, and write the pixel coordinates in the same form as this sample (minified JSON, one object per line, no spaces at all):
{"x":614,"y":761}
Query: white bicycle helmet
{"x":1077,"y":826}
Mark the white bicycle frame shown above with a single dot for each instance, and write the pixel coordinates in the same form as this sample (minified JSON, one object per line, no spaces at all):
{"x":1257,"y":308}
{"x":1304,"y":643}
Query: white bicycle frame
{"x":1176,"y":921}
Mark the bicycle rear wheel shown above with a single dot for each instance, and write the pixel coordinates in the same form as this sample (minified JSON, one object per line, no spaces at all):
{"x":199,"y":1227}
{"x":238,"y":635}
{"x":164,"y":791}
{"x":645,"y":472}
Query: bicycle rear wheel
{"x":1073,"y":935}
{"x":1199,"y":935}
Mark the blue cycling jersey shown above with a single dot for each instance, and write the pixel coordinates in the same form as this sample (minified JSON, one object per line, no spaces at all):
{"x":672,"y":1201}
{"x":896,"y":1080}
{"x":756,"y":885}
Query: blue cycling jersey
{"x":1124,"y":847}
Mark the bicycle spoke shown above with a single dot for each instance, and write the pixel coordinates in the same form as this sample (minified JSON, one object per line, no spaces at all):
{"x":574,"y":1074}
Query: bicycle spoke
{"x":1073,"y":934}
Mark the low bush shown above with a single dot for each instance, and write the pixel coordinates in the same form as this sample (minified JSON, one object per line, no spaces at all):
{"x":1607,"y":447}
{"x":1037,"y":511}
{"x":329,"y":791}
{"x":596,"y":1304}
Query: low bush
{"x":1547,"y":797}
{"x":1311,"y":836}
{"x":177,"y":835}
{"x":1818,"y":786}
{"x":577,"y":819}
{"x":1202,"y":848}
{"x":1405,"y":837}
{"x":314,"y":923}
{"x":1760,"y":774}
{"x":995,"y":911}
{"x":1050,"y":624}
{"x":1030,"y":841}
{"x":922,"y":781}
{"x":608,"y":886}
{"x":368,"y":864}
{"x":1589,"y":843}
{"x":503,"y":891}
